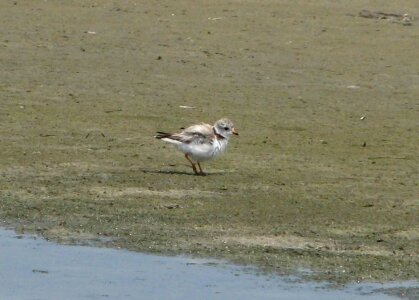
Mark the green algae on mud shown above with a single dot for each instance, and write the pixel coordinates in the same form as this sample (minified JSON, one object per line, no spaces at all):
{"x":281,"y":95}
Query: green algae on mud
{"x":324,"y":174}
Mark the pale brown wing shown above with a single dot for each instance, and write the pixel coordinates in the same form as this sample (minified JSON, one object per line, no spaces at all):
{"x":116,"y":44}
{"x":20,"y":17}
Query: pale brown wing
{"x":198,"y":134}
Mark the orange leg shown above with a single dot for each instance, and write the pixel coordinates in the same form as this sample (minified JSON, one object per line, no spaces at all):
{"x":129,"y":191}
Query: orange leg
{"x":192,"y":163}
{"x":200,"y":169}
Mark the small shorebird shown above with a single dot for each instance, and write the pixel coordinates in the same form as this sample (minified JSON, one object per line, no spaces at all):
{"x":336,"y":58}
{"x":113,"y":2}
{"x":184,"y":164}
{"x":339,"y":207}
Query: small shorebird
{"x":201,"y":142}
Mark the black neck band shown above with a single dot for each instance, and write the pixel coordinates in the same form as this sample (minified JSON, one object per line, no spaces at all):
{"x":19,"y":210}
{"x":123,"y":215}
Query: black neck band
{"x":219,"y":136}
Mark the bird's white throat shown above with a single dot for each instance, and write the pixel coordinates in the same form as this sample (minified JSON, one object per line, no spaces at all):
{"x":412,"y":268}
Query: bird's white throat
{"x":219,"y":146}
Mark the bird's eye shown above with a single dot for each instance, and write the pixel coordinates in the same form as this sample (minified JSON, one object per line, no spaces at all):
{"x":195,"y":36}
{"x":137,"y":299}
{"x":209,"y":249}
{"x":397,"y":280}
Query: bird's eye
{"x":226,"y":128}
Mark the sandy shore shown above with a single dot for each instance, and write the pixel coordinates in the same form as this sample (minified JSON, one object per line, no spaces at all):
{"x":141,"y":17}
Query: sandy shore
{"x":324,"y":174}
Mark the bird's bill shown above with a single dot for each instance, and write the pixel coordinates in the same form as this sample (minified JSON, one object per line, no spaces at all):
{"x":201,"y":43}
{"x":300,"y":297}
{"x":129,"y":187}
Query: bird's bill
{"x":234,"y":131}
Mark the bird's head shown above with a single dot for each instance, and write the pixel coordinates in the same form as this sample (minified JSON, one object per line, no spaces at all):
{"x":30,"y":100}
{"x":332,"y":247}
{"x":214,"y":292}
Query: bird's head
{"x":225,"y":128}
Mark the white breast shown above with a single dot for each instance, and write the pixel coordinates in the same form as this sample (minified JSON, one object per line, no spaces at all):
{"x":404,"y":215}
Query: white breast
{"x":206,"y":151}
{"x":219,"y":146}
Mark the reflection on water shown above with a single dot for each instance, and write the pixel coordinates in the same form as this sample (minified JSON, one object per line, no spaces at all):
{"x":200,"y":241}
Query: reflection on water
{"x":32,"y":268}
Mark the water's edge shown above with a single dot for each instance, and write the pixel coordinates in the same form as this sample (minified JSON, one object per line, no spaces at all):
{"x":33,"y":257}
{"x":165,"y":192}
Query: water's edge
{"x":33,"y":268}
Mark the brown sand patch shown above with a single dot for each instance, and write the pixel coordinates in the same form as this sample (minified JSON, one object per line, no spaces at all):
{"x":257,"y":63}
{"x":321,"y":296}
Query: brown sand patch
{"x":283,"y":242}
{"x":135,"y":191}
{"x":304,"y":243}
{"x":410,"y":234}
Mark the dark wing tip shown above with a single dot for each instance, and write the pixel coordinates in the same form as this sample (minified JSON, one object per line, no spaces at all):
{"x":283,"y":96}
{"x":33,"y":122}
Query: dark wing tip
{"x":161,"y":135}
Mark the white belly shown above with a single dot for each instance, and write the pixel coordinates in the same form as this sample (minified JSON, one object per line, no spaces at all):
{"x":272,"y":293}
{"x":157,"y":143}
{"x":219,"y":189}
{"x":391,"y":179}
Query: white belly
{"x":203,"y":152}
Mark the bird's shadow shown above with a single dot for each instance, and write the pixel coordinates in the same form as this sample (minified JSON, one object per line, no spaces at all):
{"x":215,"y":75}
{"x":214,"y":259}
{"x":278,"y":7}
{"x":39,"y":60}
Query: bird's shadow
{"x":175,"y":172}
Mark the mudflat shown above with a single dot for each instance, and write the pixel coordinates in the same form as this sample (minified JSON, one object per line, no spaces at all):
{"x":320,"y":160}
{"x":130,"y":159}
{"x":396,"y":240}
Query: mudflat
{"x":324,"y":95}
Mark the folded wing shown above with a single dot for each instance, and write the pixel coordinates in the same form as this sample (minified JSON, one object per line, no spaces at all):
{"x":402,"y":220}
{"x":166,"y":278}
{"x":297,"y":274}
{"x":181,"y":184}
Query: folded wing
{"x":196,"y":134}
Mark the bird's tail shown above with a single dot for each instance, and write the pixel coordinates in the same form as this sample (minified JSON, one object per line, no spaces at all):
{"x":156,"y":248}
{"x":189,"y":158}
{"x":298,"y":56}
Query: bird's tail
{"x":161,"y":135}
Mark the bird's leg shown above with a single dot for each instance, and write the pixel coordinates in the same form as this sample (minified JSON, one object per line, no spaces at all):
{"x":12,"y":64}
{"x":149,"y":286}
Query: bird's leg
{"x":192,"y":163}
{"x":200,"y":169}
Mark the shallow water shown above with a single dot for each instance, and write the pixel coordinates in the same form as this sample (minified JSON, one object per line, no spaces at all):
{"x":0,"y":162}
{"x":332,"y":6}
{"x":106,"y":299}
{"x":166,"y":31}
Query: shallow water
{"x":32,"y":268}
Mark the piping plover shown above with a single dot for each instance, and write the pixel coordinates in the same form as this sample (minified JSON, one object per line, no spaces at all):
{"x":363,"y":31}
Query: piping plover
{"x":201,"y":142}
